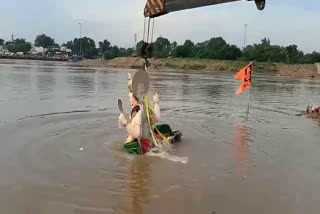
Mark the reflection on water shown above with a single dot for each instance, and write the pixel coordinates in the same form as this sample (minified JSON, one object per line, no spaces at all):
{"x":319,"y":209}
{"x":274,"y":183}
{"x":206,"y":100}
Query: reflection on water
{"x":140,"y":176}
{"x":240,"y":145}
{"x":138,"y":188}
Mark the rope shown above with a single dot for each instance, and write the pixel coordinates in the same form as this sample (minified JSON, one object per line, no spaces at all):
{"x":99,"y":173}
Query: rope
{"x":145,"y":99}
{"x":144,"y":29}
{"x":148,"y":30}
{"x":152,"y":30}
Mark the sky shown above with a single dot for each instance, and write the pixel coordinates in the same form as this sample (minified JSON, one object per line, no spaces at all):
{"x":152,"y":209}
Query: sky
{"x":284,"y":22}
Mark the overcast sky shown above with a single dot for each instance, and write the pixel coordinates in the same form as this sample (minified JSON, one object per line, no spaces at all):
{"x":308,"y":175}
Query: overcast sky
{"x":285,"y":22}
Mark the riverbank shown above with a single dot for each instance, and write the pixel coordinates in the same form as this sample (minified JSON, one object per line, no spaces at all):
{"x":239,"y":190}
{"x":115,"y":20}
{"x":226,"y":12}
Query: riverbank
{"x":282,"y":70}
{"x":30,"y":57}
{"x":177,"y":64}
{"x":305,"y":71}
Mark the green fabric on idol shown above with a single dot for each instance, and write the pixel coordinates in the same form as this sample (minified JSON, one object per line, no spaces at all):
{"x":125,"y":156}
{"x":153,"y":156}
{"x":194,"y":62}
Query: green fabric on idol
{"x":164,"y":129}
{"x":133,"y":147}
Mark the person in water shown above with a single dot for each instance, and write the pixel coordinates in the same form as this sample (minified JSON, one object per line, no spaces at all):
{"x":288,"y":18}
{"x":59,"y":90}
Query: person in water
{"x":311,"y":110}
{"x":137,"y":125}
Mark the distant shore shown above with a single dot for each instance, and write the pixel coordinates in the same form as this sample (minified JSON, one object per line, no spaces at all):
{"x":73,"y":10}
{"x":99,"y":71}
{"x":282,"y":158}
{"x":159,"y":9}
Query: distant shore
{"x":303,"y":71}
{"x":27,"y":57}
{"x":188,"y":64}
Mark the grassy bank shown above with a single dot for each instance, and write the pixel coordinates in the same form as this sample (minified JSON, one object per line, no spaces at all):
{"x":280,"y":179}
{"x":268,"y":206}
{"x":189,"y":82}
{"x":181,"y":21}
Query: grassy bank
{"x":179,"y":64}
{"x":308,"y":71}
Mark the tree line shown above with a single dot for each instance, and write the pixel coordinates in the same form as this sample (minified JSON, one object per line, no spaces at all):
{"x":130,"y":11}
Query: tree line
{"x":85,"y":47}
{"x":88,"y":49}
{"x":215,"y":48}
{"x":218,"y":48}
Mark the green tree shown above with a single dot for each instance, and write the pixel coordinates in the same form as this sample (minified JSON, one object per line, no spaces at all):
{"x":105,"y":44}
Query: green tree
{"x":88,"y":47}
{"x":122,"y":52}
{"x":265,"y":42}
{"x":16,"y":42}
{"x":14,"y":48}
{"x":19,"y":41}
{"x":55,"y":45}
{"x":235,"y":53}
{"x":161,"y":48}
{"x":1,"y":41}
{"x":18,"y":45}
{"x":293,"y":54}
{"x":173,"y":47}
{"x":312,"y":58}
{"x":109,"y":54}
{"x":130,"y":51}
{"x":90,"y":52}
{"x":185,"y":50}
{"x":275,"y":53}
{"x":104,"y":45}
{"x":188,"y":47}
{"x":44,"y":41}
{"x":265,"y":52}
{"x":8,"y":43}
{"x":217,"y":48}
{"x":138,"y":48}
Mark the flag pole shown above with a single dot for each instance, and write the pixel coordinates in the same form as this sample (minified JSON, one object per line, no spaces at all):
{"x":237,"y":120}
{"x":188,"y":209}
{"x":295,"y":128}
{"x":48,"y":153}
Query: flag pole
{"x":248,"y":109}
{"x":245,"y":75}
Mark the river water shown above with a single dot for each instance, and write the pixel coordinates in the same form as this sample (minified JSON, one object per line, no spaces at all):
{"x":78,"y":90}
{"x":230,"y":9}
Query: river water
{"x":265,"y":160}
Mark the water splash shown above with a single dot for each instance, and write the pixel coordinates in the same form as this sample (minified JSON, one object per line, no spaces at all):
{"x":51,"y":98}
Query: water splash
{"x":164,"y":153}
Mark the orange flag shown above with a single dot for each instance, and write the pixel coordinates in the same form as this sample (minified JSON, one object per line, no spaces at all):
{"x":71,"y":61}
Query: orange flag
{"x":245,"y":75}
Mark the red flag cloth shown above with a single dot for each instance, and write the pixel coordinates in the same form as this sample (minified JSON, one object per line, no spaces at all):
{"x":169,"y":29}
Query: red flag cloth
{"x":245,"y":75}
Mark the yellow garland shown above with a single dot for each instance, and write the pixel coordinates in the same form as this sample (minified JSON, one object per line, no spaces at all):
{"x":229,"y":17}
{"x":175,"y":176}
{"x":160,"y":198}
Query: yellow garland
{"x":162,"y":135}
{"x":149,"y":122}
{"x":145,"y":99}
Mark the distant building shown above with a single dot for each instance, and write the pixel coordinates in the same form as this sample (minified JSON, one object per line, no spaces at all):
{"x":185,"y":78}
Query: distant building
{"x":37,"y":50}
{"x":65,"y":52}
{"x":3,"y":50}
{"x":65,"y":49}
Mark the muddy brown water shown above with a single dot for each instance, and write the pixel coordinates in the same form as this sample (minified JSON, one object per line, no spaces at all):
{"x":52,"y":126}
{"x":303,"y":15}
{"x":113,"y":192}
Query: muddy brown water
{"x":264,"y":161}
